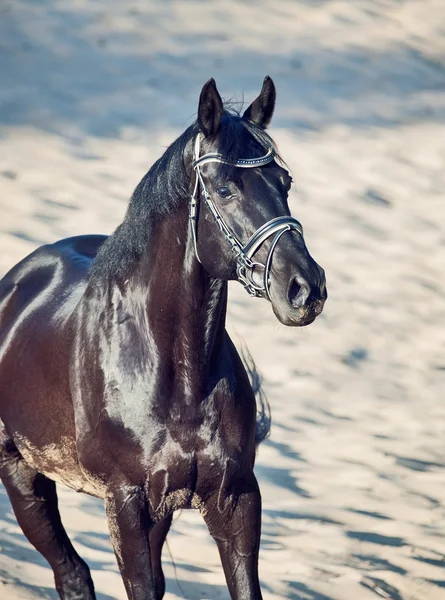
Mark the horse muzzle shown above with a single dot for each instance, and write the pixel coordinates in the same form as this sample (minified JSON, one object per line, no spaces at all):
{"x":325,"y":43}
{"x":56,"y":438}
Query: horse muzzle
{"x":303,"y":299}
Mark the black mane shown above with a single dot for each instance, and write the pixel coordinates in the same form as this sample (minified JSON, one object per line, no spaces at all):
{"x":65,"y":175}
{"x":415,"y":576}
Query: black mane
{"x":166,"y":185}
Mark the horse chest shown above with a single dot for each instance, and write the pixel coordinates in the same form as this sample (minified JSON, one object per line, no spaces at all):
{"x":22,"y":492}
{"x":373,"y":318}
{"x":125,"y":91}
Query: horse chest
{"x":171,"y":480}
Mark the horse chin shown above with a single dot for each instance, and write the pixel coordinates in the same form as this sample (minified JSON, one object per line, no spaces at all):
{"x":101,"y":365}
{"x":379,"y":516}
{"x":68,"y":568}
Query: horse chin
{"x":301,"y":317}
{"x":294,"y":318}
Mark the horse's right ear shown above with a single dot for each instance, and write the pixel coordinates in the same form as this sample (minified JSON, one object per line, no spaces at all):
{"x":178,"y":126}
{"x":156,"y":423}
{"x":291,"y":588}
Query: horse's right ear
{"x":261,"y":110}
{"x":210,"y":110}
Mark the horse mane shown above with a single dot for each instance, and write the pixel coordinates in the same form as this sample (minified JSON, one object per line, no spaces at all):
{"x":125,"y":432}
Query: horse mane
{"x":166,"y":184}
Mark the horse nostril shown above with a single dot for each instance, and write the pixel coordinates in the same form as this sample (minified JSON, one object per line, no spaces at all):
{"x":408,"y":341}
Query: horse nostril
{"x":298,"y":292}
{"x":294,"y":290}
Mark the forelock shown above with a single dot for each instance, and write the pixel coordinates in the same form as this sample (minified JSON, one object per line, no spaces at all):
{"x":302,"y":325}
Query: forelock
{"x":238,"y":139}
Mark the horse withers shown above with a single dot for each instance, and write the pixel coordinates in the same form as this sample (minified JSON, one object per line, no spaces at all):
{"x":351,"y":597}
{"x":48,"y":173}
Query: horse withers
{"x":117,"y":375}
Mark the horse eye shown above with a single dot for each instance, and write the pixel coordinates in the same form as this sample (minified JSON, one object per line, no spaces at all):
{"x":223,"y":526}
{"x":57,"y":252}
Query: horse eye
{"x":224,"y":192}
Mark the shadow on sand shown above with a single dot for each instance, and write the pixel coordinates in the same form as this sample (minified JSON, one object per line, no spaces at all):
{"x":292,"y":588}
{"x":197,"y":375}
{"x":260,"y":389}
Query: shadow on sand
{"x":98,"y":84}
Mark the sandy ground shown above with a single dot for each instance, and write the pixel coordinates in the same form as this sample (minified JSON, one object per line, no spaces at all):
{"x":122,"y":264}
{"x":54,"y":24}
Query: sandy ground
{"x":353,"y":477}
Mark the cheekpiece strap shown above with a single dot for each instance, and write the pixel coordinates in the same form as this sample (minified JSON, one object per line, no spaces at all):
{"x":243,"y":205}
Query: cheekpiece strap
{"x":244,"y":253}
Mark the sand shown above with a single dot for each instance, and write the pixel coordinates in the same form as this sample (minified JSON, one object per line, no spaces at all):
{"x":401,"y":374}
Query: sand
{"x":353,"y":476}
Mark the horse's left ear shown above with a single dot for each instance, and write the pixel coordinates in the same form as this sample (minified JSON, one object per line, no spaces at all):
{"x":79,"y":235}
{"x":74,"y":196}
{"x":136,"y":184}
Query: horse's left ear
{"x":261,"y":110}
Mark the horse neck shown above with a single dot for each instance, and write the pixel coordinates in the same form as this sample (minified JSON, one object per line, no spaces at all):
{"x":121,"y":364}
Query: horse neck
{"x":185,"y":308}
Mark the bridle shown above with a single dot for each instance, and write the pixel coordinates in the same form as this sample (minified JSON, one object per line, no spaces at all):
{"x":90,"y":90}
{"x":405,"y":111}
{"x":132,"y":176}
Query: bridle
{"x":245,"y":264}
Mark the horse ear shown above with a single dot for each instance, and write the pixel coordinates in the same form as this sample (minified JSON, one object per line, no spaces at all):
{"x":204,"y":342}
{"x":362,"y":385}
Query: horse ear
{"x":261,"y":110}
{"x":210,"y":110}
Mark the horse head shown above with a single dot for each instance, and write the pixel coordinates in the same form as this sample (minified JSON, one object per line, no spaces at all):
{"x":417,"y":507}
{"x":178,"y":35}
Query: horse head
{"x":239,"y":210}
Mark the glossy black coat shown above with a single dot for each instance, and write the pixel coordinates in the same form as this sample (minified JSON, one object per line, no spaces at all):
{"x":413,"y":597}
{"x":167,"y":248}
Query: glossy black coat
{"x":118,"y":378}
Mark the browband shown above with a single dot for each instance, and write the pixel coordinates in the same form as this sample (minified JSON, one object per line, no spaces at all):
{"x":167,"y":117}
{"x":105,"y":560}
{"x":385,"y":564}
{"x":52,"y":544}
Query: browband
{"x":241,"y":162}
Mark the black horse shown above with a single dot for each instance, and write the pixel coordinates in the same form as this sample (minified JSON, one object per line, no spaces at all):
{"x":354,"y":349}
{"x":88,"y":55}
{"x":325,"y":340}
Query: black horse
{"x":117,"y":375}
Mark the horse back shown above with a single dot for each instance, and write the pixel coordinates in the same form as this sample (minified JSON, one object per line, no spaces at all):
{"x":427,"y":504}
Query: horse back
{"x":37,"y":298}
{"x":53,"y":275}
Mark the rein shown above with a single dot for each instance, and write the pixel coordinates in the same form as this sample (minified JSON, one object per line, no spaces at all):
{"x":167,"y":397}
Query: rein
{"x":245,"y":265}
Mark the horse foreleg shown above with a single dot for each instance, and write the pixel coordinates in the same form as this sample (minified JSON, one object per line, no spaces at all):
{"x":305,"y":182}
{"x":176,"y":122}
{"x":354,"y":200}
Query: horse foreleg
{"x":233,"y":517}
{"x":34,"y":501}
{"x":130,"y":525}
{"x":157,"y":539}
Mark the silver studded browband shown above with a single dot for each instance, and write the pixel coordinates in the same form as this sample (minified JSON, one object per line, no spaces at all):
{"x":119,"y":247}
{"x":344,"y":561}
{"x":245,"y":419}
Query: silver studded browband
{"x":244,"y":253}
